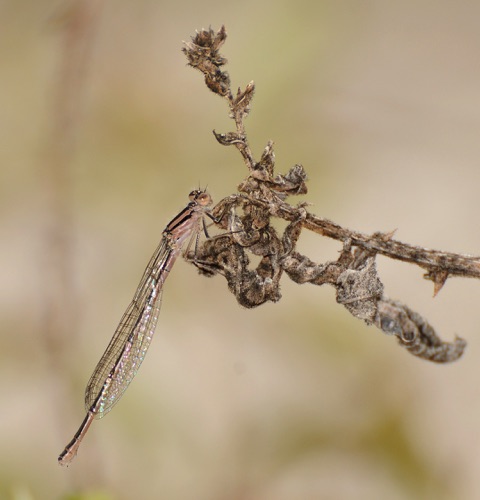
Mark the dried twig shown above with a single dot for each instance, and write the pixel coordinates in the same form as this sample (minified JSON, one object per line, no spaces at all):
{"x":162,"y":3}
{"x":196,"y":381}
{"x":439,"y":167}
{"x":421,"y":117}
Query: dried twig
{"x":262,"y":196}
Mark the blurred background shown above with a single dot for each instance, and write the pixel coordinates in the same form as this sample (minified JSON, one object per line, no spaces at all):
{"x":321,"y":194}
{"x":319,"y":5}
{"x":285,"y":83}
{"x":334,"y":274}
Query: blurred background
{"x":104,"y":132}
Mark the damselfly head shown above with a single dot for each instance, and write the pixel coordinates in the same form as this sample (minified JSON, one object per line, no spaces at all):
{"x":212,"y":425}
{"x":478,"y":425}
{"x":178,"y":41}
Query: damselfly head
{"x":202,"y":198}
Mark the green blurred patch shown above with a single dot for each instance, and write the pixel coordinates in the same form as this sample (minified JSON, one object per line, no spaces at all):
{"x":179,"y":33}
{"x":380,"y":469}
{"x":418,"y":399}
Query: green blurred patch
{"x":91,"y":495}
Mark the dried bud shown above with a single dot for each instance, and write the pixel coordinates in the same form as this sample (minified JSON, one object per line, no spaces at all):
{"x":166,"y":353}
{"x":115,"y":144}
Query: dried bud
{"x":202,"y":53}
{"x":267,"y":161}
{"x":240,"y":106}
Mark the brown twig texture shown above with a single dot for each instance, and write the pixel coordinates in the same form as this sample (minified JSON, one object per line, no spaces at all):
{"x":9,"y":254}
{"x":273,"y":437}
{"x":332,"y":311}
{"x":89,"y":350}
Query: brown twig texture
{"x":246,"y":217}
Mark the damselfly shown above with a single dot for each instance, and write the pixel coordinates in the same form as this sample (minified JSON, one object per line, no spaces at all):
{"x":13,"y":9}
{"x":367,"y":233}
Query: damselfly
{"x":126,"y":351}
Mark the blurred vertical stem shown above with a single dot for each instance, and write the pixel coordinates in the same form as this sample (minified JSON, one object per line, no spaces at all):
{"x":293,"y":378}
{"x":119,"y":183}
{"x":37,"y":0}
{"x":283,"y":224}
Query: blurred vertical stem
{"x":75,"y":27}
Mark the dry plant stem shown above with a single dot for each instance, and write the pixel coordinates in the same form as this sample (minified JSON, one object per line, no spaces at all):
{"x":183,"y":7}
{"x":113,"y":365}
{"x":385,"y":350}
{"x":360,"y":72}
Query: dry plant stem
{"x":246,"y":216}
{"x":434,"y":261}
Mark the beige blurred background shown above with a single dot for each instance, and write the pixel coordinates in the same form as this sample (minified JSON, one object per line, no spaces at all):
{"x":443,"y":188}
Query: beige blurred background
{"x":104,"y":131}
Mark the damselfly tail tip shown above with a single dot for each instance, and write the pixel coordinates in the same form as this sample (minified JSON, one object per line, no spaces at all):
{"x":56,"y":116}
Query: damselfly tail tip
{"x":68,"y":454}
{"x":65,"y":458}
{"x":70,"y":451}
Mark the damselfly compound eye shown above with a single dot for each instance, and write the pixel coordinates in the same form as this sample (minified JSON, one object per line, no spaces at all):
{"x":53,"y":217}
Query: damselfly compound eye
{"x":204,"y":199}
{"x":194,"y":195}
{"x":201,"y":197}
